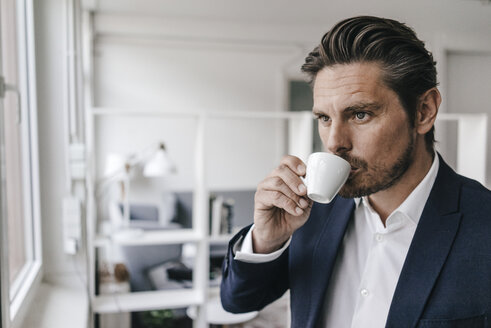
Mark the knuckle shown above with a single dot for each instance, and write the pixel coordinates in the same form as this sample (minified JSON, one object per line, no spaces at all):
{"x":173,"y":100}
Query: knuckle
{"x":261,"y":185}
{"x":291,"y":204}
{"x":289,"y":159}
{"x":261,"y":195}
{"x":276,"y":172}
{"x":277,"y":182}
{"x":281,"y":168}
{"x":257,"y":195}
{"x":277,"y":196}
{"x":286,"y":158}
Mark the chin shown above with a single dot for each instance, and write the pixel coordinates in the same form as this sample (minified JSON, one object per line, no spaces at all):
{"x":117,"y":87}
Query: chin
{"x":353,"y":192}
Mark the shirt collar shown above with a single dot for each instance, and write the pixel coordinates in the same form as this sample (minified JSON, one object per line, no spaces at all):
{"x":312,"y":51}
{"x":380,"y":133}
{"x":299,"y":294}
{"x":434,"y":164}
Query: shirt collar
{"x":413,"y":205}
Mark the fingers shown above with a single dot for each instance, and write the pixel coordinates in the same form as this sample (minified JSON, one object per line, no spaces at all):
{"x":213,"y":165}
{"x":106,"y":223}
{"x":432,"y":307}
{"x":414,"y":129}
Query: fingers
{"x":287,"y":185}
{"x":295,"y":164}
{"x":272,"y":198}
{"x":283,"y":175}
{"x":289,"y":171}
{"x":283,"y":188}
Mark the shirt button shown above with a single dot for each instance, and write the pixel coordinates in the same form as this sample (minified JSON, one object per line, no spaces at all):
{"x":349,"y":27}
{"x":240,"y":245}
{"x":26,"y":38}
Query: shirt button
{"x":379,"y":237}
{"x":364,"y":292}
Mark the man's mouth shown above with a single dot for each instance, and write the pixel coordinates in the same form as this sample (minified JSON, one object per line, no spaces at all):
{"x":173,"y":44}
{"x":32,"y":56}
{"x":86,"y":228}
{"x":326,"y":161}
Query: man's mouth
{"x":353,"y":171}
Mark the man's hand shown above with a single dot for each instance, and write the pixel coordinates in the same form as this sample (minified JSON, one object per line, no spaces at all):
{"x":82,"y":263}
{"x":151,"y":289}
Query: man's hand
{"x":281,"y":206}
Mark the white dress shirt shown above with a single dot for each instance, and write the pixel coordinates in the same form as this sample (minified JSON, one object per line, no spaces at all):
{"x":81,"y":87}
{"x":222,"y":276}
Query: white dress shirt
{"x":369,"y":260}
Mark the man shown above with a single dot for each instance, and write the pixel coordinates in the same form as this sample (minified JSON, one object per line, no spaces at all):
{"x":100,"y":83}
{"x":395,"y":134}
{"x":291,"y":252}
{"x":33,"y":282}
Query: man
{"x":407,"y":242}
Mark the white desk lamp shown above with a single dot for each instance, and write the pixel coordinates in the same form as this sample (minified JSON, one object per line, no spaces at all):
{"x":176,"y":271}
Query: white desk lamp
{"x":155,"y":162}
{"x":159,"y":164}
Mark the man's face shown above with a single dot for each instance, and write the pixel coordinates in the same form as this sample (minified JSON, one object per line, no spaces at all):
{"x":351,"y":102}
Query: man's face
{"x":362,"y":120}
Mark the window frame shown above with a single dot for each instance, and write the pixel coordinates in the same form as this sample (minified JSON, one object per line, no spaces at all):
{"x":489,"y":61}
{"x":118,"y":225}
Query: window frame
{"x":17,"y":296}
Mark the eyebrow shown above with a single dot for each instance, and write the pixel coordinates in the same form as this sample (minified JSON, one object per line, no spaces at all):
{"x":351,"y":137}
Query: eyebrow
{"x":362,"y":106}
{"x":353,"y":108}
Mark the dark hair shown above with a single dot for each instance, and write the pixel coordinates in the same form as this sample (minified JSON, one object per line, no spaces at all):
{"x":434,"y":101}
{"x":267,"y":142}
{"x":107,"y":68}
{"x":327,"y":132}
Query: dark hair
{"x":408,"y":68}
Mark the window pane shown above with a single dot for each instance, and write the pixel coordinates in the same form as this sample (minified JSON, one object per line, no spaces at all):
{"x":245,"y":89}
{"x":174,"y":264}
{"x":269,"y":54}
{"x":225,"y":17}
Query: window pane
{"x":13,"y":143}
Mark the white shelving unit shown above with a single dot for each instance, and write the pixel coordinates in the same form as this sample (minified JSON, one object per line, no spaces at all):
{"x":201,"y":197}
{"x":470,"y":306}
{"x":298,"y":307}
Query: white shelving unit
{"x":145,"y":301}
{"x":199,"y":234}
{"x":152,"y":238}
{"x":300,"y":125}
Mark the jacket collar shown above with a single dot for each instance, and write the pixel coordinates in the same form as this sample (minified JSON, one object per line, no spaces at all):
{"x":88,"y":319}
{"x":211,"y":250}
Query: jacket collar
{"x":429,"y":249}
{"x":325,"y":252}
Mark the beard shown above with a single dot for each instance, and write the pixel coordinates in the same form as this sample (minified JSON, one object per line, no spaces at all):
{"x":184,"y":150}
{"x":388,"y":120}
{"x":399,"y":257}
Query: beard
{"x":369,"y":179}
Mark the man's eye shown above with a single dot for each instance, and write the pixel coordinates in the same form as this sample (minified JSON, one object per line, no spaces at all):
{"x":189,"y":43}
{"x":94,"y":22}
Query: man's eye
{"x":361,"y":116}
{"x":323,"y":118}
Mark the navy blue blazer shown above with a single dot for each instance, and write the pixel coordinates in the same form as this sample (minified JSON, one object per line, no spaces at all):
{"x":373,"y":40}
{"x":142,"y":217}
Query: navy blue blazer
{"x":445,"y":280}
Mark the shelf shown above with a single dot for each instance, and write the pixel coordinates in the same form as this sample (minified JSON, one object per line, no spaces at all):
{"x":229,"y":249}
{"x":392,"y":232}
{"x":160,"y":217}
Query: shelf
{"x":220,"y":239}
{"x":145,"y":301}
{"x":153,"y":237}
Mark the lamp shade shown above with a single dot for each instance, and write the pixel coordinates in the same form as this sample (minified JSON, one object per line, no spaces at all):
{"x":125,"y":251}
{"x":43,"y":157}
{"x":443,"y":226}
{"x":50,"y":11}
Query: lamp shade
{"x":159,"y":165}
{"x":114,"y":164}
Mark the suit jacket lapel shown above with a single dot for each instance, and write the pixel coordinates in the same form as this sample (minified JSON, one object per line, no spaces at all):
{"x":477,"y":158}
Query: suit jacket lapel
{"x":429,"y":249}
{"x":325,"y":254}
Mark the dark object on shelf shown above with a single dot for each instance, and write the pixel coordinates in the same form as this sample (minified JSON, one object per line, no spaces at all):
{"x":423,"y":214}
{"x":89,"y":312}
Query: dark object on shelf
{"x":227,"y":220}
{"x":180,"y":272}
{"x":121,"y":273}
{"x":158,"y":319}
{"x":164,"y":318}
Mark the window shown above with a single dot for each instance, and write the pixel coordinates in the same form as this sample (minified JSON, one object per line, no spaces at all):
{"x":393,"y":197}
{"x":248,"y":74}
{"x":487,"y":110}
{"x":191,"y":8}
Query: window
{"x":301,"y":99}
{"x":21,"y":258}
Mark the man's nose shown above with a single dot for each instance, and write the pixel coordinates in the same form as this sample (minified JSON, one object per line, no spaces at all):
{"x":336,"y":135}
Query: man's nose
{"x":338,"y":138}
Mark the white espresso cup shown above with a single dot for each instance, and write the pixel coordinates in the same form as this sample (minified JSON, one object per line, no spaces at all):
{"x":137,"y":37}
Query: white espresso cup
{"x":326,"y":174}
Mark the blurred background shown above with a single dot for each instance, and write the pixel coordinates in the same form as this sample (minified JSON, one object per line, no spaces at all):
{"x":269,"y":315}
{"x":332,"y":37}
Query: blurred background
{"x":134,"y":133}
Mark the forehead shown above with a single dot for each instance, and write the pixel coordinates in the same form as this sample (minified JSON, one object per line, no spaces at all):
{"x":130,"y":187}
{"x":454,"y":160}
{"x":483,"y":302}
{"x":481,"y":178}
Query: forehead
{"x":348,"y":82}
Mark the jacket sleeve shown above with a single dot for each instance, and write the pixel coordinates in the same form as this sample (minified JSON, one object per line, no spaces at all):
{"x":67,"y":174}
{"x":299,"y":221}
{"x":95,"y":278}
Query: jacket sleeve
{"x":250,"y":287}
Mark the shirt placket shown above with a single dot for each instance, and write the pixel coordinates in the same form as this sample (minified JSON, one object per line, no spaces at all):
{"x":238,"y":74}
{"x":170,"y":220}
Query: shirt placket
{"x":369,"y":302}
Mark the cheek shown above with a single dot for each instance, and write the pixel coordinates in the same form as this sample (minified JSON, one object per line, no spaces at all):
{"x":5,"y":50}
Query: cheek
{"x":376,"y":145}
{"x":323,"y":134}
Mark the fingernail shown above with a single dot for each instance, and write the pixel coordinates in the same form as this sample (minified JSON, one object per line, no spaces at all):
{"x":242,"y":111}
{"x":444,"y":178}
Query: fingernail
{"x":301,"y":169}
{"x":299,"y":211}
{"x":303,"y":202}
{"x":302,"y":188}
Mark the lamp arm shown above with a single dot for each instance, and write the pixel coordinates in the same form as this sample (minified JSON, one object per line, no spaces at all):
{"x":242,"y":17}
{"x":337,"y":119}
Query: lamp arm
{"x":106,"y":182}
{"x":131,"y":162}
{"x":144,"y":155}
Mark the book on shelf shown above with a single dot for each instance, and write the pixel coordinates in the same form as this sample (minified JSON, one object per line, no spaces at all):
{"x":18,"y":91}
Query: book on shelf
{"x":221,"y":215}
{"x":216,"y":215}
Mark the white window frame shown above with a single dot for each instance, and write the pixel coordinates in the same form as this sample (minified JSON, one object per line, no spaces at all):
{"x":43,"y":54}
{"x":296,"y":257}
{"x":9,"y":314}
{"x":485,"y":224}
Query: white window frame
{"x":17,"y":296}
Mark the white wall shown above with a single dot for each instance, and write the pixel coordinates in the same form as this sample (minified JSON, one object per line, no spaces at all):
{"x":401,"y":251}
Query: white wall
{"x":193,"y":72}
{"x":469,"y":89}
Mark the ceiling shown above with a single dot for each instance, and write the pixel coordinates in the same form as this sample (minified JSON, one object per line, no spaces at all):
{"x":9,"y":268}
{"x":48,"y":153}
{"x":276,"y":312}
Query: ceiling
{"x":460,"y":15}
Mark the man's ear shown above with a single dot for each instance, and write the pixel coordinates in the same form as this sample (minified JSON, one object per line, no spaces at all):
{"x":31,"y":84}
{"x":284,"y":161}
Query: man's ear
{"x":428,"y":106}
